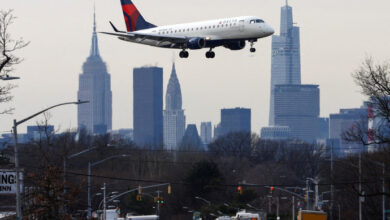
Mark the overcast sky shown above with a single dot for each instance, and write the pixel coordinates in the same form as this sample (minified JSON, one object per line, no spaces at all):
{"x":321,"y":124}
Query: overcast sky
{"x":336,"y":36}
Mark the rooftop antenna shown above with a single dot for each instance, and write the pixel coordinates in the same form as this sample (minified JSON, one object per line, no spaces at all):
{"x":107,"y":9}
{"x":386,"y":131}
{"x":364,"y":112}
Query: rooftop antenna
{"x":94,"y":16}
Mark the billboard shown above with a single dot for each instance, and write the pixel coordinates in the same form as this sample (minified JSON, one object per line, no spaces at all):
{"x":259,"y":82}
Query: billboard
{"x":8,"y":181}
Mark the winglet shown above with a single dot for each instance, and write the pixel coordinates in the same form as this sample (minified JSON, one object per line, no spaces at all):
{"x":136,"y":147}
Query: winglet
{"x":116,"y":29}
{"x":113,"y":27}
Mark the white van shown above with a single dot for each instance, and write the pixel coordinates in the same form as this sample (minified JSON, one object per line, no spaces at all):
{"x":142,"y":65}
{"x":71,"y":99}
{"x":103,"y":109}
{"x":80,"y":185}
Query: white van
{"x":141,"y":217}
{"x":243,"y":215}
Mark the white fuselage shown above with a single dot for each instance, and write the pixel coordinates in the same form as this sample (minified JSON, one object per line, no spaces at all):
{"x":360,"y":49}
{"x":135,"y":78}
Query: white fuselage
{"x":245,"y":28}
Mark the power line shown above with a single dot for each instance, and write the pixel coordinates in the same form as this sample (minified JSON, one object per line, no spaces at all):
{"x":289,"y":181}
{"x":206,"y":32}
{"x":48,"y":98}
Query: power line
{"x":217,"y":185}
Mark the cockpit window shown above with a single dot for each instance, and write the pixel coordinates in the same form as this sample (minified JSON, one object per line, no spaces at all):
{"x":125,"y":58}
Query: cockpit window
{"x":256,"y":21}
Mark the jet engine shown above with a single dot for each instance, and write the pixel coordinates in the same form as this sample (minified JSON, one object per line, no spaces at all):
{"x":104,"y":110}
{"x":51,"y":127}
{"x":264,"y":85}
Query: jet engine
{"x":196,"y":43}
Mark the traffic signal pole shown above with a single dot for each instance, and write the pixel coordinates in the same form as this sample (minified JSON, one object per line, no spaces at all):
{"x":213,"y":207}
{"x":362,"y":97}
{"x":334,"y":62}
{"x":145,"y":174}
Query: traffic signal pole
{"x":158,"y":204}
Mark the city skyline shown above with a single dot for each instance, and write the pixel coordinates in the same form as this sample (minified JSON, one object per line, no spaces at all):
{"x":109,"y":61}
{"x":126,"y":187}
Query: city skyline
{"x":64,"y":54}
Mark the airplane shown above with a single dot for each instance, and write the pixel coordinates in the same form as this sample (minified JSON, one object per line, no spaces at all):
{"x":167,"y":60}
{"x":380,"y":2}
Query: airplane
{"x":231,"y":33}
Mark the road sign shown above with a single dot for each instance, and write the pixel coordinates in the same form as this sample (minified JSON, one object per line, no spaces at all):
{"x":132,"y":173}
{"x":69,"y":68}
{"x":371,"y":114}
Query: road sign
{"x":8,"y":181}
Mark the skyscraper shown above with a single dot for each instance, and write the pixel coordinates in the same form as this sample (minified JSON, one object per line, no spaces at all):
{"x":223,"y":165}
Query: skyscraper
{"x":205,"y":132}
{"x":191,"y":139}
{"x":95,"y":87}
{"x":235,"y":120}
{"x":298,"y":107}
{"x":174,"y":118}
{"x":343,"y":121}
{"x":286,"y":57}
{"x":148,"y":106}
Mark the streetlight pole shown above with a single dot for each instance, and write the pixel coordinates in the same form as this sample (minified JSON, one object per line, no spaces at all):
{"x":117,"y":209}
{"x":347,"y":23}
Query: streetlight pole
{"x":383,"y":192}
{"x":293,"y":207}
{"x":72,"y":156}
{"x":104,"y":202}
{"x":89,"y":191}
{"x":307,"y":195}
{"x":90,"y":165}
{"x":158,"y":205}
{"x":331,"y":185}
{"x":15,"y":131}
{"x":360,"y":185}
{"x":277,"y":208}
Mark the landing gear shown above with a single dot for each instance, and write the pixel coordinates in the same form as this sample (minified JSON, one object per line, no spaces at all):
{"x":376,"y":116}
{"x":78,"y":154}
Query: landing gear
{"x":252,"y":50}
{"x":210,"y":53}
{"x":183,"y":54}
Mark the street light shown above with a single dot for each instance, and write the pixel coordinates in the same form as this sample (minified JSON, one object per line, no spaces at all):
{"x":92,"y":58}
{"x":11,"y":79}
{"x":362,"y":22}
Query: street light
{"x":79,"y":154}
{"x":7,"y":77}
{"x":90,"y":165}
{"x":72,"y":156}
{"x":204,"y":200}
{"x":15,"y":131}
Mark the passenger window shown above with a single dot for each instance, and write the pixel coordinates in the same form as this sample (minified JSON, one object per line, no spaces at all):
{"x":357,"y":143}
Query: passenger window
{"x":252,"y":21}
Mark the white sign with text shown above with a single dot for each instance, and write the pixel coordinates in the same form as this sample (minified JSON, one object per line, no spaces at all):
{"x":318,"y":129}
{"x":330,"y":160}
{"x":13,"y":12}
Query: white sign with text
{"x":8,"y":181}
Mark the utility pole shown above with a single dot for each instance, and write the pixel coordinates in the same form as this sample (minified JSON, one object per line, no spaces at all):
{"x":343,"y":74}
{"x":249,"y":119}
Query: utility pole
{"x":331,"y":185}
{"x":293,"y":207}
{"x":269,"y":204}
{"x":18,"y":200}
{"x":15,"y":131}
{"x":360,"y":185}
{"x":277,"y":208}
{"x":316,"y":191}
{"x":307,"y":195}
{"x":158,"y":204}
{"x":89,"y":191}
{"x":104,"y":202}
{"x":383,"y":192}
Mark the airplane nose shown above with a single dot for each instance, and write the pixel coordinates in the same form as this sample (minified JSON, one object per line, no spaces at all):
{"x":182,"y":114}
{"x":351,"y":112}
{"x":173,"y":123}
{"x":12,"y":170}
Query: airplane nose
{"x":270,"y":30}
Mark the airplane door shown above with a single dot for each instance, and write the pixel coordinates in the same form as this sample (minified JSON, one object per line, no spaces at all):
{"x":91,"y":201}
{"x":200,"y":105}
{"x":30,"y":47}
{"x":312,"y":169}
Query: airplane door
{"x":241,"y":25}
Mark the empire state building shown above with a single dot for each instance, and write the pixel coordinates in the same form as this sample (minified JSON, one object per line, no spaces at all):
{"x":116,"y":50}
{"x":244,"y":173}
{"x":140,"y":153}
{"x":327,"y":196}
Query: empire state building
{"x":95,"y":87}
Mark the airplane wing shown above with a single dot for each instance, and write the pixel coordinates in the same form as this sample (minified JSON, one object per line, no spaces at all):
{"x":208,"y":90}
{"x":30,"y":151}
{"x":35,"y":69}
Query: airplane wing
{"x":139,"y":37}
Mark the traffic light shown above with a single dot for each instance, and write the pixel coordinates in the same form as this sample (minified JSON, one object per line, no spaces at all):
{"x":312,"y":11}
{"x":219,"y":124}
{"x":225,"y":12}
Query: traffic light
{"x":139,"y":189}
{"x":139,"y":198}
{"x":271,"y":189}
{"x":239,"y":189}
{"x":159,"y":200}
{"x":169,"y":189}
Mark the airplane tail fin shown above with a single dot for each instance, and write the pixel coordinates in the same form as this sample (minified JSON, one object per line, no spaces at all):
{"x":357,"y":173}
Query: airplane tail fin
{"x":134,"y":20}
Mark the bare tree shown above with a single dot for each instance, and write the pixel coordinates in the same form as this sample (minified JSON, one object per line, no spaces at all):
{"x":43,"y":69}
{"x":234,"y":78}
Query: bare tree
{"x":8,"y":59}
{"x":374,"y":80}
